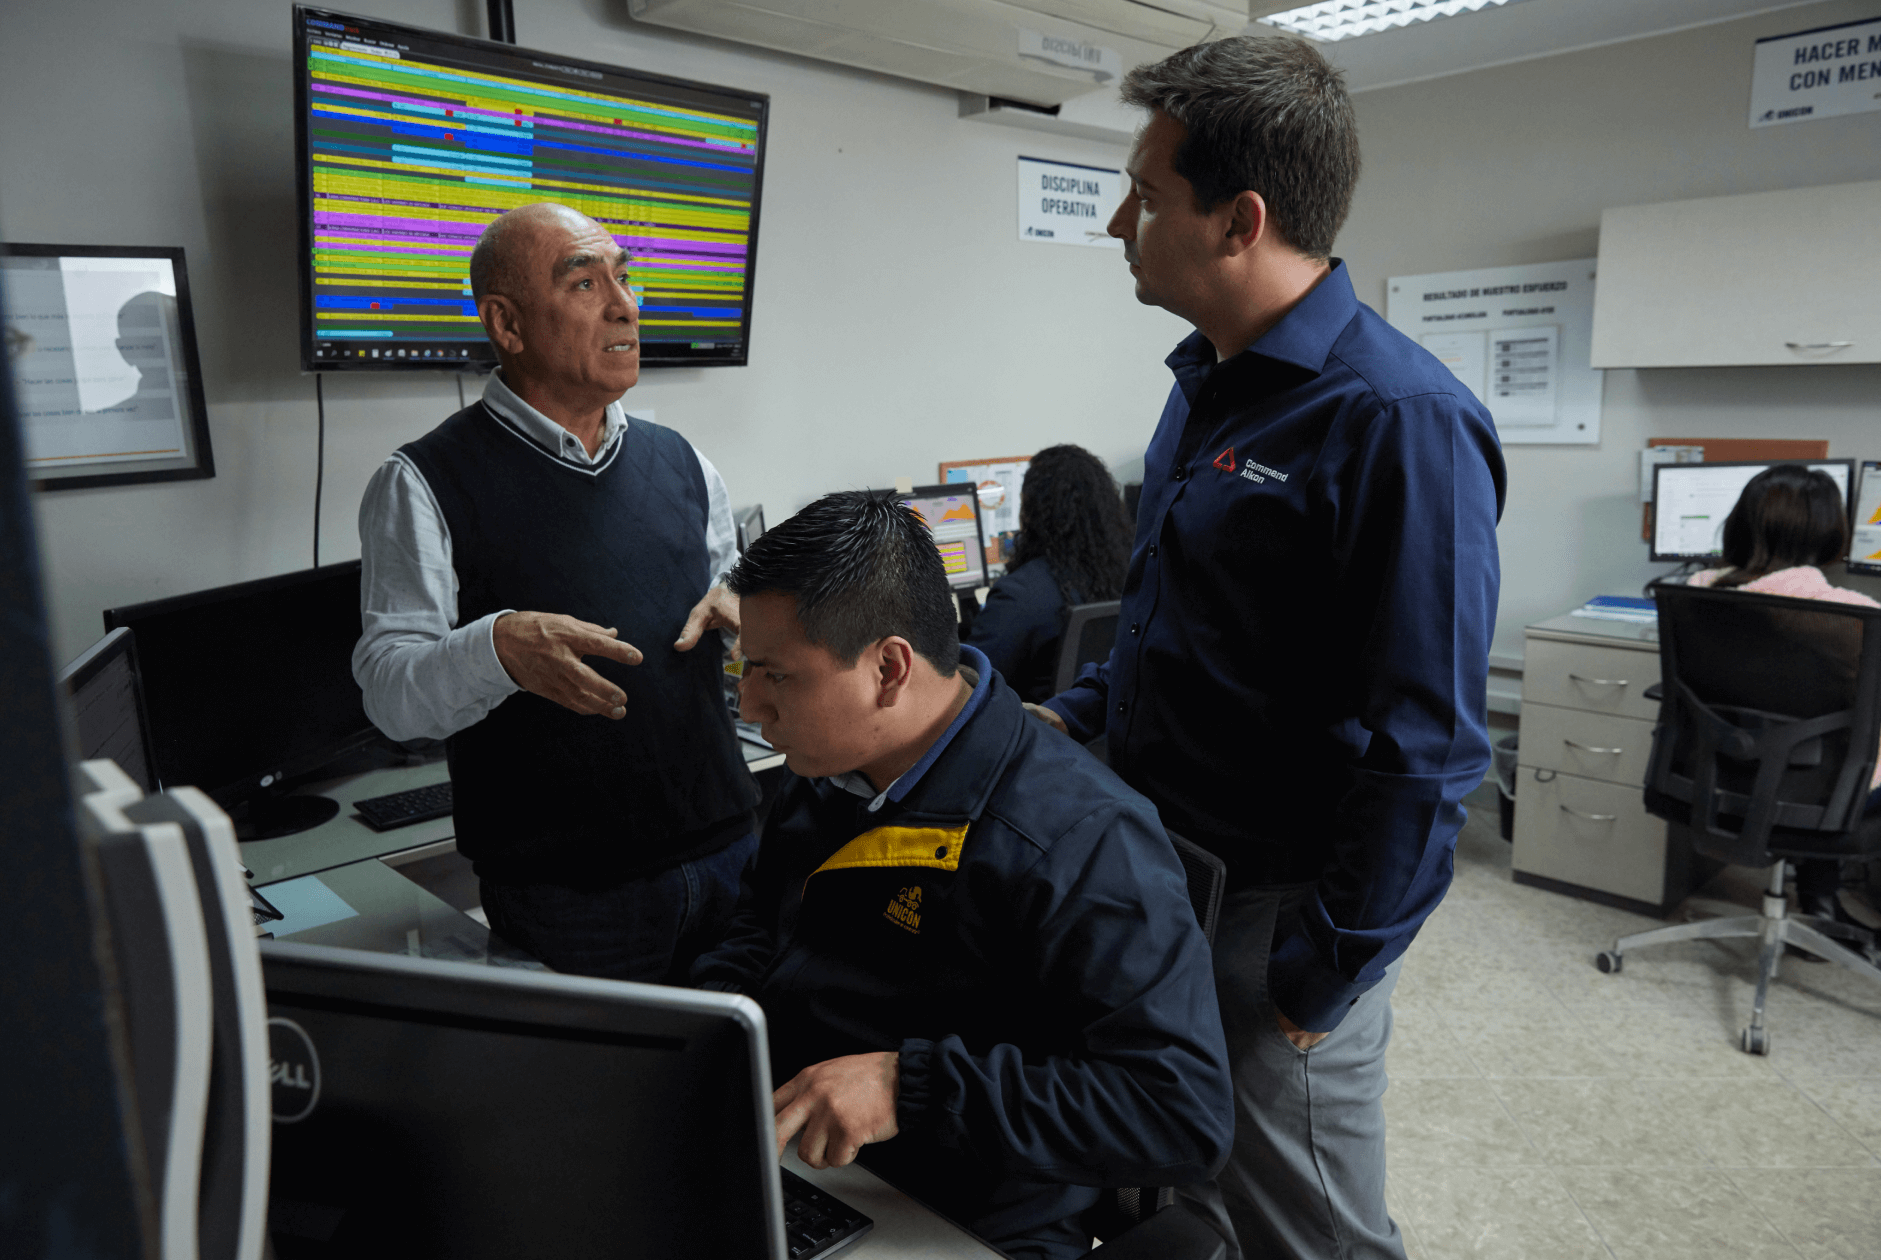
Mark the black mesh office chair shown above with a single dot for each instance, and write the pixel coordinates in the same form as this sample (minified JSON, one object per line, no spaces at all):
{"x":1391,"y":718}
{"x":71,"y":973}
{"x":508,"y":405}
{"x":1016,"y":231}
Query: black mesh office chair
{"x":1090,"y":630}
{"x":1770,"y":711}
{"x":1133,"y":1221}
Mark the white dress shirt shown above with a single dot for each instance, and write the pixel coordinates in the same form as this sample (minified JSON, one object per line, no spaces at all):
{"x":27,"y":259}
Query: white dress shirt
{"x":421,"y":678}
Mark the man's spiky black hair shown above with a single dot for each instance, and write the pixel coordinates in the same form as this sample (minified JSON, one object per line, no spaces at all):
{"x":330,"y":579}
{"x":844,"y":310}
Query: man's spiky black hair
{"x":861,"y":566}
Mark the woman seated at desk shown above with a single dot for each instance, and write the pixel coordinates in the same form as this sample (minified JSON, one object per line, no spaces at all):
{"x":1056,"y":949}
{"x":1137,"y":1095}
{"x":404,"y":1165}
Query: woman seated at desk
{"x":1788,"y":521}
{"x":1073,"y":548}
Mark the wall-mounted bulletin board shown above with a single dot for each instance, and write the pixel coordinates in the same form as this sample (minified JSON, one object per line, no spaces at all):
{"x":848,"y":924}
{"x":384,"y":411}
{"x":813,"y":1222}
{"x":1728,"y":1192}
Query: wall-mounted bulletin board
{"x":1521,"y":338}
{"x":1000,"y":481}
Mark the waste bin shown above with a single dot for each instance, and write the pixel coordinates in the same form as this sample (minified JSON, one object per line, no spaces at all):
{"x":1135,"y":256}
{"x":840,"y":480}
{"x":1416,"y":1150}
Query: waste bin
{"x":1505,"y":757}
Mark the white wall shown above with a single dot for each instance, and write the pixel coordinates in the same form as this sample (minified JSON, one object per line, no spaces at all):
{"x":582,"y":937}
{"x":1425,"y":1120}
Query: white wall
{"x":1514,"y":165}
{"x":898,"y":320}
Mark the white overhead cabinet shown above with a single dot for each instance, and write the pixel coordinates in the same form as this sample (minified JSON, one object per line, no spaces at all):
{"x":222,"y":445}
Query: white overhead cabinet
{"x":1763,"y":278}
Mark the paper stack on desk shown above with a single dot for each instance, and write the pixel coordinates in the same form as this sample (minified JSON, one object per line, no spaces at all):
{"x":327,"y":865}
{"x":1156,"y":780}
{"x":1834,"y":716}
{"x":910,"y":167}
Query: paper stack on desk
{"x":1641,"y":612}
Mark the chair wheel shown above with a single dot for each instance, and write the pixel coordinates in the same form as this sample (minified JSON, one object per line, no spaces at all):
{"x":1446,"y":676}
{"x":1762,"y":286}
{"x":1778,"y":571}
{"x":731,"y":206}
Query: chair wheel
{"x":1755,"y":1040}
{"x":1608,"y":961}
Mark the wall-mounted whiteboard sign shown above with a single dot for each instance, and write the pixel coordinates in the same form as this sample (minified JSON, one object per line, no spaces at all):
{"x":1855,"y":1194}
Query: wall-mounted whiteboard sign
{"x":1816,"y":74}
{"x":1063,"y":204}
{"x":1519,"y":337}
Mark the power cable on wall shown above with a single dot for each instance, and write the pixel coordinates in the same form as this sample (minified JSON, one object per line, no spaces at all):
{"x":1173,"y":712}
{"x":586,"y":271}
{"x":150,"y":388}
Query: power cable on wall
{"x":320,"y":461}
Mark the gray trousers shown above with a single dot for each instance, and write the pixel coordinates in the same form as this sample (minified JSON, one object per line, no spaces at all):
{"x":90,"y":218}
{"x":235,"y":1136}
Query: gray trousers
{"x":1306,"y":1180}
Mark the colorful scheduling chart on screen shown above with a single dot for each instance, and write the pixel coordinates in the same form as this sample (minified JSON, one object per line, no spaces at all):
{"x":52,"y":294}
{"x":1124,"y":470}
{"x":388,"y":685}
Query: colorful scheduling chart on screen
{"x":415,"y":145}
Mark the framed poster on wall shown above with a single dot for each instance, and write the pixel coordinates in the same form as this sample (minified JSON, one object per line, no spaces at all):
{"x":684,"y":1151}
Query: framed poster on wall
{"x":102,"y":345}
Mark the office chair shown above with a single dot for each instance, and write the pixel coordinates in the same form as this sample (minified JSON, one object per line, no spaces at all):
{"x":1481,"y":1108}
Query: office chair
{"x":1770,"y":710}
{"x":1090,"y":630}
{"x":1134,"y":1221}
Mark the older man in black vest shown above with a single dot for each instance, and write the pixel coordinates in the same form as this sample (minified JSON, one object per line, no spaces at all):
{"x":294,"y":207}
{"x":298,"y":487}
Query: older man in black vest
{"x":603,"y":801}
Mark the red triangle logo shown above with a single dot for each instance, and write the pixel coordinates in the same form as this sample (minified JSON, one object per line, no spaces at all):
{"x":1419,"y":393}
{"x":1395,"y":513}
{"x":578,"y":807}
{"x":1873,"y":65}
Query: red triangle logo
{"x":1225,"y":460}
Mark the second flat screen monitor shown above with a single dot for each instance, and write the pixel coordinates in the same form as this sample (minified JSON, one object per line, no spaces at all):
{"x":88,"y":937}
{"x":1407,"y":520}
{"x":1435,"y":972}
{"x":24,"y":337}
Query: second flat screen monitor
{"x":1690,"y":502}
{"x":952,"y":514}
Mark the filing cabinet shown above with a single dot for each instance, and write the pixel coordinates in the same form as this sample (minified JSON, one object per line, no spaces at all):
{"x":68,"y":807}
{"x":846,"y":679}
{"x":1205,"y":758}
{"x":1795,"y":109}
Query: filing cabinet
{"x":1581,"y":825}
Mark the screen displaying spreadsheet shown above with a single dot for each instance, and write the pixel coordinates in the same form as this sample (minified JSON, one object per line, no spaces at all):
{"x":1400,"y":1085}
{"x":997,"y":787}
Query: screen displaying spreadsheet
{"x":412,"y":141}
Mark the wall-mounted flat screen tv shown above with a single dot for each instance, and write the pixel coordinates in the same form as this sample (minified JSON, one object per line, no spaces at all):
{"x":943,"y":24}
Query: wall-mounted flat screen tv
{"x":410,"y":142}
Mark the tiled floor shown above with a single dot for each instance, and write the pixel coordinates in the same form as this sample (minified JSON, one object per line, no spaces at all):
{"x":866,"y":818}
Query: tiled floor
{"x":1539,"y":1109}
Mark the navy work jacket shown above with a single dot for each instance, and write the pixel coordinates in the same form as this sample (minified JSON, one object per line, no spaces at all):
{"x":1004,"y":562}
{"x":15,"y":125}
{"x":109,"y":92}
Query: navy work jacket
{"x":1016,"y":924}
{"x":1300,"y":675}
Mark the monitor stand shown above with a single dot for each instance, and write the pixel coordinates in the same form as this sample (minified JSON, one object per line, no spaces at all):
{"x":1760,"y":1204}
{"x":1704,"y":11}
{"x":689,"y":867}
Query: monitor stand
{"x":271,"y":817}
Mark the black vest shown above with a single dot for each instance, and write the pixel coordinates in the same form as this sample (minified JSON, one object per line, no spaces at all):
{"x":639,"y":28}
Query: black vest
{"x":544,"y":794}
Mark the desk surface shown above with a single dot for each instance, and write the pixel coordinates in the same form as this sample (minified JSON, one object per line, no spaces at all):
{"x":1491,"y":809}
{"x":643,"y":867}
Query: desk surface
{"x":1572,"y":629}
{"x":347,"y":839}
{"x":904,"y":1230}
{"x":393,"y":915}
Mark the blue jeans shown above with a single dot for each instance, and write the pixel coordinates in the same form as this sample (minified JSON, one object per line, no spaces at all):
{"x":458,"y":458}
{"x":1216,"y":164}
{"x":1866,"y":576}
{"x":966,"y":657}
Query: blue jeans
{"x":650,"y":928}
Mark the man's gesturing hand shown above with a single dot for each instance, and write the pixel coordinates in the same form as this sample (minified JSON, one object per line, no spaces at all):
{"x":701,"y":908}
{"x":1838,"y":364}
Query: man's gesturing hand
{"x":543,"y":651}
{"x":839,"y":1105}
{"x":717,"y":611}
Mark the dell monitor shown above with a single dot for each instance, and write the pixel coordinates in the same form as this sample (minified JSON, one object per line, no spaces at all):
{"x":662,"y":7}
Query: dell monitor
{"x":436,"y":1109}
{"x":409,"y":142}
{"x":250,"y":687}
{"x":952,"y":514}
{"x":1690,"y":502}
{"x":109,"y":718}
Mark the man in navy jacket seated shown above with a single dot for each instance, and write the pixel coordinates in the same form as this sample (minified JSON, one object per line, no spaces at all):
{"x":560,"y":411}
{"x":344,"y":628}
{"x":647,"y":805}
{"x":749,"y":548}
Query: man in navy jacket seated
{"x":973,"y":943}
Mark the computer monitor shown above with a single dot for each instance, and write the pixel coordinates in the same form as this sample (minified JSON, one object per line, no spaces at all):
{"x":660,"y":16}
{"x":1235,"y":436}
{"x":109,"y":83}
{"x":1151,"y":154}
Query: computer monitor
{"x":250,"y":687}
{"x":1690,"y":502}
{"x":109,"y":717}
{"x":434,"y":1109}
{"x":1864,"y":548}
{"x":409,"y":142}
{"x":750,"y":526}
{"x":952,"y":514}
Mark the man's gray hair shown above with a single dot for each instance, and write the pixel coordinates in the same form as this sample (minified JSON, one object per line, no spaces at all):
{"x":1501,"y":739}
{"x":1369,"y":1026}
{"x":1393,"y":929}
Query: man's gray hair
{"x":1266,"y":114}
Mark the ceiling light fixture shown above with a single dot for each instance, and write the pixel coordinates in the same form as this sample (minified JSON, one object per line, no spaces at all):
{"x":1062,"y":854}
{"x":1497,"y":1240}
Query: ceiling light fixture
{"x":1334,"y":20}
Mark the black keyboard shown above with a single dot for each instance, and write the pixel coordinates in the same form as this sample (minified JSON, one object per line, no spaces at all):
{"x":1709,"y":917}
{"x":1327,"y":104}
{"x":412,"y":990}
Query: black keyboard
{"x":382,"y":813}
{"x":816,"y":1224}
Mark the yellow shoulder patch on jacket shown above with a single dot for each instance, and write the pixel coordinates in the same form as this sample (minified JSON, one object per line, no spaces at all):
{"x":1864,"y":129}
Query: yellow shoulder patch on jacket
{"x":938,"y":847}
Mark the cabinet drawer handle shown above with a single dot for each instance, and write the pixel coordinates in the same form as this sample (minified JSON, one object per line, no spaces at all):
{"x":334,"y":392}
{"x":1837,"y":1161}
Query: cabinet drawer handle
{"x":1605,"y":752}
{"x":1818,"y":345}
{"x":1602,"y":682}
{"x":1569,"y":809}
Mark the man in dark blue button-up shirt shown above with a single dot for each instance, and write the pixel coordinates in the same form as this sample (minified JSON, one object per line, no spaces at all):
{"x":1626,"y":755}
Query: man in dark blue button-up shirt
{"x":1299,"y":676}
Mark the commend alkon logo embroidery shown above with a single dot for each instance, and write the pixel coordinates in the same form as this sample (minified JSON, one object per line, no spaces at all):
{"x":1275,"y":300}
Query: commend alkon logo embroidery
{"x":1225,"y":460}
{"x":904,"y":910}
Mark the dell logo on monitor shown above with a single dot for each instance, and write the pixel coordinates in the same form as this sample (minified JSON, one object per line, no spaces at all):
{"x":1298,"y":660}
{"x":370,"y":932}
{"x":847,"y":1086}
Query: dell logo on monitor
{"x":293,"y":1071}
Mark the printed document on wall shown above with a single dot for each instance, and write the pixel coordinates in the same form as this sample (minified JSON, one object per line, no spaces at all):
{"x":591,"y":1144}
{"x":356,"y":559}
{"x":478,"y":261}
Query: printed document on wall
{"x":1064,"y":204}
{"x":1519,"y":338}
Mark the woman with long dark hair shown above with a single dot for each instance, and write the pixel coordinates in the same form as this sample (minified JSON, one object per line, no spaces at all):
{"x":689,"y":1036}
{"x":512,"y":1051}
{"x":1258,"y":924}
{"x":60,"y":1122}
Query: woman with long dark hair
{"x":1073,"y":548}
{"x":1788,"y":522}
